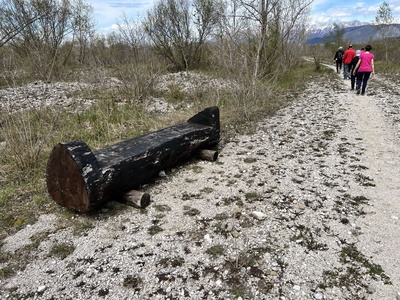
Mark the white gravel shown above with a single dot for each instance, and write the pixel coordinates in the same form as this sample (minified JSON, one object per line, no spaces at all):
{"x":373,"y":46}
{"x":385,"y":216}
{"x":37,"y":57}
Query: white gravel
{"x":305,"y":207}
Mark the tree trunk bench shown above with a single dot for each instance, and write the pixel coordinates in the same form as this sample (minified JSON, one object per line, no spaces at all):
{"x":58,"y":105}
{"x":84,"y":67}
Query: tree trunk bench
{"x":83,"y":180}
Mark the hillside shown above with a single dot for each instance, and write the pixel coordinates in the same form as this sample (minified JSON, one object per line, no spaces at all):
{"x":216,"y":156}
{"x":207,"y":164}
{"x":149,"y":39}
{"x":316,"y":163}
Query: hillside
{"x":355,"y":34}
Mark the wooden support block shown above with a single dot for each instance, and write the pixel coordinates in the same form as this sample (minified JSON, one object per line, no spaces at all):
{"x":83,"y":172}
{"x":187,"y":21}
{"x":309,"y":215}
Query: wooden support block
{"x":136,"y":199}
{"x":210,"y":155}
{"x":83,"y":180}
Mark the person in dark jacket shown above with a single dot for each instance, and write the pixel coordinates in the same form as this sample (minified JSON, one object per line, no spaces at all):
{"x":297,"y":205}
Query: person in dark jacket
{"x":353,"y":70}
{"x":338,"y":59}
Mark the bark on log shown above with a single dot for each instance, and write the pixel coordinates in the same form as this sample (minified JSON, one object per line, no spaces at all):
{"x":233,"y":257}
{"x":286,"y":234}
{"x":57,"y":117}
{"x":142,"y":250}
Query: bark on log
{"x":83,"y":180}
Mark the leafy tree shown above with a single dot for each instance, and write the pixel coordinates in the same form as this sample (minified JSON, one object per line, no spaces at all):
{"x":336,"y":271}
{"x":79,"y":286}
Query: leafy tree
{"x":384,"y":18}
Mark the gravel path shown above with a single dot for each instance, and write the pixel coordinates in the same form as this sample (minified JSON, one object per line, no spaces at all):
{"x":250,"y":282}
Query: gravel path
{"x":306,"y":207}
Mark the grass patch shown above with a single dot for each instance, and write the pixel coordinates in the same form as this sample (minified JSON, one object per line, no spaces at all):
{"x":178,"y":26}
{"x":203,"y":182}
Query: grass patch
{"x":216,"y":251}
{"x":61,"y":250}
{"x":154,"y":229}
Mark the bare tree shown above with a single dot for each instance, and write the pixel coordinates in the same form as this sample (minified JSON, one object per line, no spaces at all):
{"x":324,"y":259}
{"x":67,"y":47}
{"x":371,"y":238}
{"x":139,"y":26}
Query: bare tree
{"x":271,"y":28}
{"x":338,"y":34}
{"x":178,"y":30}
{"x":132,"y":34}
{"x":82,"y":27}
{"x":384,"y":18}
{"x":15,"y":17}
{"x":36,"y":29}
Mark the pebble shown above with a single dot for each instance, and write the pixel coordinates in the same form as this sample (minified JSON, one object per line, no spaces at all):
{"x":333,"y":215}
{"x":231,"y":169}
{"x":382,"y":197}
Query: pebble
{"x":319,"y":296}
{"x":296,"y":287}
{"x":371,"y":289}
{"x":41,"y":288}
{"x":258,"y":215}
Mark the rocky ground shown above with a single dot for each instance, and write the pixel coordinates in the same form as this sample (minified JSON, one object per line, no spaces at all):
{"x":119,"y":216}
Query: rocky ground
{"x":306,"y":207}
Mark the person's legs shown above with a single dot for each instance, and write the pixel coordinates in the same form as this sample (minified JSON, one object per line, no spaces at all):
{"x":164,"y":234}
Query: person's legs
{"x":348,"y":71}
{"x":353,"y":80}
{"x":365,"y":80}
{"x":344,"y":71}
{"x":359,"y":79}
{"x":337,"y":66}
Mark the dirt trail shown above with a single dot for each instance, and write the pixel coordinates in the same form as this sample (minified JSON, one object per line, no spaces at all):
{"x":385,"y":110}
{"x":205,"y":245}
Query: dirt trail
{"x":380,"y":237}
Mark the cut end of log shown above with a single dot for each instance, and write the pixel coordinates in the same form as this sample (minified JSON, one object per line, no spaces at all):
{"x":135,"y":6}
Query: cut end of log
{"x":66,"y":182}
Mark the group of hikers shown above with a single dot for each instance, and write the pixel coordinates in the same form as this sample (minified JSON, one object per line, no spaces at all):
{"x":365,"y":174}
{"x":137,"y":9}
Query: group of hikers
{"x":358,"y":66}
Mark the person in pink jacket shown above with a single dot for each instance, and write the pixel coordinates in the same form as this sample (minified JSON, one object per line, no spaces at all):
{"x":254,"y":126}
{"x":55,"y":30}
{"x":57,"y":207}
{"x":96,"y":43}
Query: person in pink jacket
{"x":366,"y":69}
{"x":348,"y":55}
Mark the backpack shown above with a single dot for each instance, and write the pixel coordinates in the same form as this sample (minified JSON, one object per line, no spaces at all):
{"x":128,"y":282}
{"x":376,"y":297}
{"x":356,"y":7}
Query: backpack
{"x":340,"y":55}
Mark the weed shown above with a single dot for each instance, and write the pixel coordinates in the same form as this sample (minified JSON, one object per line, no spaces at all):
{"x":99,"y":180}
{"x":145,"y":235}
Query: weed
{"x":81,"y":227}
{"x":154,"y":229}
{"x":207,"y":190}
{"x":61,"y":250}
{"x":197,"y":169}
{"x":174,"y":94}
{"x":189,"y":211}
{"x":132,"y":282}
{"x":364,"y":180}
{"x":250,"y":160}
{"x":222,"y":216}
{"x":216,"y":251}
{"x":252,"y":196}
{"x":162,"y":207}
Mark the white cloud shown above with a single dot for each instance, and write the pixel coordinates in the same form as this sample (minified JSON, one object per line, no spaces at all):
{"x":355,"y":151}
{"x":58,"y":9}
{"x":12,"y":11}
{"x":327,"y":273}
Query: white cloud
{"x":344,"y":10}
{"x":108,"y":12}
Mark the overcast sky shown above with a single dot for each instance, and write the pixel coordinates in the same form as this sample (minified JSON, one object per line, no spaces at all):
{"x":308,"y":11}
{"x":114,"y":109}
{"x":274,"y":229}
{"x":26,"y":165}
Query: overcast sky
{"x":109,"y":12}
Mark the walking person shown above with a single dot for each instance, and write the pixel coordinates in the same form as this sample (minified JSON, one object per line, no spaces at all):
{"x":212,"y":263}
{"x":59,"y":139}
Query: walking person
{"x":348,"y":55}
{"x":353,"y":70}
{"x":366,"y":68}
{"x":338,"y":59}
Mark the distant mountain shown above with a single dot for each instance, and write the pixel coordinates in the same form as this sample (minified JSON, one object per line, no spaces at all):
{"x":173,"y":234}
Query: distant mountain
{"x":355,"y":32}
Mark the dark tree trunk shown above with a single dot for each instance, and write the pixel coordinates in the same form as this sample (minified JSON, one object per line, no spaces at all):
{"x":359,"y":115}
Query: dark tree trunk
{"x":80,"y":179}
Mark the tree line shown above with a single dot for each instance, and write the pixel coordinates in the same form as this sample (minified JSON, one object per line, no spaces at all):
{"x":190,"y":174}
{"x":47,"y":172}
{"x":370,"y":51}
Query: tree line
{"x":259,"y":39}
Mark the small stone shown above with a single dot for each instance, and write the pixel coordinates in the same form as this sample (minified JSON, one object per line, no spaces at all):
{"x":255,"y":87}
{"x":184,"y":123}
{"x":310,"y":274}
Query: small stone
{"x":398,"y":296}
{"x":162,"y":173}
{"x":296,"y":287}
{"x":41,"y":288}
{"x":259,"y":215}
{"x":208,"y":238}
{"x":261,"y":262}
{"x":235,"y":234}
{"x":297,"y":179}
{"x":319,"y":296}
{"x":371,"y":289}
